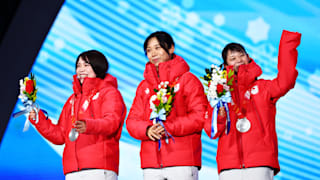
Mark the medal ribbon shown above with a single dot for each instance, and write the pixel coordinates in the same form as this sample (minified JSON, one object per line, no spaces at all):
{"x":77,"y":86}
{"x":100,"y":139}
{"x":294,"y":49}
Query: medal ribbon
{"x":236,"y":109}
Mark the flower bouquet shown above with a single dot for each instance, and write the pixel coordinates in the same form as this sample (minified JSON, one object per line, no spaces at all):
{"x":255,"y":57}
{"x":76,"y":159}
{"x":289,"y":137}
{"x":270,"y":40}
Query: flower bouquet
{"x":28,"y":96}
{"x":161,"y":104}
{"x":218,"y":87}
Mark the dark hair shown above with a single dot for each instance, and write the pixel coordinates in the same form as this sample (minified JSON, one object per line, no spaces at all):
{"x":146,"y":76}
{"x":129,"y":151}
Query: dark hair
{"x":232,"y":47}
{"x":164,"y":39}
{"x":97,"y":60}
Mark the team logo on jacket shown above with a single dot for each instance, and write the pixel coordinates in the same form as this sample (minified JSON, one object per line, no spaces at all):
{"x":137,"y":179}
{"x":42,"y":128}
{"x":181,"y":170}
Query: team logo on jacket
{"x":176,"y":87}
{"x":85,"y":105}
{"x":247,"y":94}
{"x":147,"y":91}
{"x":87,"y":102}
{"x":206,"y":116}
{"x":71,"y":101}
{"x":254,"y":90}
{"x":95,"y":96}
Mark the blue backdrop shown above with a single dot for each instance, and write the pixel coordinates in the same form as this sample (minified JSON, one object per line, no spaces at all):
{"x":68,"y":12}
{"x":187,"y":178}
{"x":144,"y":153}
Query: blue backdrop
{"x":200,"y":29}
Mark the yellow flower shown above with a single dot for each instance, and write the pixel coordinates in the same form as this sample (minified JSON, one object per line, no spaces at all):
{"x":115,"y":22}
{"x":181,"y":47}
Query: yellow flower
{"x":224,"y":74}
{"x":25,"y":80}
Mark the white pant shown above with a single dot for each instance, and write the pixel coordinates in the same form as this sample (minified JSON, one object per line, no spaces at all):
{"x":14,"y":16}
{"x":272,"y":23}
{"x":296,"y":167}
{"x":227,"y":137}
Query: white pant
{"x":171,"y":173}
{"x":90,"y":174}
{"x":261,"y":173}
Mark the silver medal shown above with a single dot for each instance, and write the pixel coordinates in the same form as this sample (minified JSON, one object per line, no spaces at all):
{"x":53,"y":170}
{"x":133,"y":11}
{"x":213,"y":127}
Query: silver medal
{"x":73,"y":135}
{"x":243,"y":125}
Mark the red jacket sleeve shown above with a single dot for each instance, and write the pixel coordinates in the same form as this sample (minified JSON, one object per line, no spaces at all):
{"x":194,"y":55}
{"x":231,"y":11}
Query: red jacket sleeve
{"x":136,"y":123}
{"x":287,"y":60}
{"x":113,"y":112}
{"x":53,"y":133}
{"x":196,"y":101}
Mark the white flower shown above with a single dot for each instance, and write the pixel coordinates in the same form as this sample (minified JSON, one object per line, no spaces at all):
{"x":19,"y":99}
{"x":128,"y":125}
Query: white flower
{"x":214,"y":66}
{"x":214,"y":73}
{"x":212,"y":90}
{"x":214,"y":81}
{"x":222,"y":81}
{"x":212,"y":93}
{"x":152,"y":106}
{"x":21,"y":82}
{"x":22,"y":86}
{"x":152,"y":98}
{"x":23,"y":97}
{"x":163,"y":91}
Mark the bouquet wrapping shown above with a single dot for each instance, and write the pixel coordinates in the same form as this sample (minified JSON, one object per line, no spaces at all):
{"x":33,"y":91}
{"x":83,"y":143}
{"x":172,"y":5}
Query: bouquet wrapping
{"x":28,"y":96}
{"x":218,"y":87}
{"x":161,"y":105}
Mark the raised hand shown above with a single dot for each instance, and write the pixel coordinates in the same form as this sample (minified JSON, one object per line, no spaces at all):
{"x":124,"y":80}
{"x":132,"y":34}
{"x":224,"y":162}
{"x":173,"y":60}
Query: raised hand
{"x":32,"y":115}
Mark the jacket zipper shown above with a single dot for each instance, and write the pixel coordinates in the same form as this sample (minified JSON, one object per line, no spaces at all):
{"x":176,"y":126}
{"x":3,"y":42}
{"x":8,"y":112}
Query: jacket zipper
{"x":159,"y":155}
{"x":257,"y":114}
{"x":242,"y":165}
{"x":241,"y":152}
{"x":75,"y":143}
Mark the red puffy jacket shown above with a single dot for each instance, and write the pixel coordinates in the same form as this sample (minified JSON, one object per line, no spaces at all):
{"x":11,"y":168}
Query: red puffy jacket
{"x":184,"y":122}
{"x":99,"y":103}
{"x":259,"y":145}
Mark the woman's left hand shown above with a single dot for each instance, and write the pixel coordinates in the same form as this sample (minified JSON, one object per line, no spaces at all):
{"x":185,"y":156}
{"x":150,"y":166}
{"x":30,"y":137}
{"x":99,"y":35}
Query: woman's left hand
{"x":81,"y":126}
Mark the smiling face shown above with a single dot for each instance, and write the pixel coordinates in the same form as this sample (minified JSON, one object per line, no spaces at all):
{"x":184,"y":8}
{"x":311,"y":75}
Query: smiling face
{"x":234,"y":54}
{"x":237,"y":58}
{"x":84,"y":69}
{"x":156,"y":54}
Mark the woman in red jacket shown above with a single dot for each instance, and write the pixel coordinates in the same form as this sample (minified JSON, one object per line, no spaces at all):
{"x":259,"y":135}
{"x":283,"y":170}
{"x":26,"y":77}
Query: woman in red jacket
{"x":250,"y":150}
{"x":171,"y":148}
{"x":90,"y":123}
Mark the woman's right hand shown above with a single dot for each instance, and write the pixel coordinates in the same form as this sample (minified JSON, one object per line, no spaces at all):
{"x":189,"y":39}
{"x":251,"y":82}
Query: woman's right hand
{"x":222,"y":112}
{"x":32,"y":115}
{"x":155,"y":132}
{"x":236,"y":66}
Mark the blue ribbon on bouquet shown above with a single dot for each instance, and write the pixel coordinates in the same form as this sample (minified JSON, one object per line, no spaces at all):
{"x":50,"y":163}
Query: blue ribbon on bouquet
{"x":28,"y":107}
{"x":159,"y":118}
{"x":216,"y":103}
